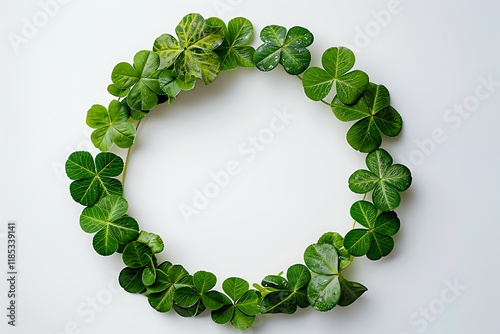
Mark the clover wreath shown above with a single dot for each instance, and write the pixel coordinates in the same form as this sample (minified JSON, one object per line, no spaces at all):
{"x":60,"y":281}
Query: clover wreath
{"x":202,"y":50}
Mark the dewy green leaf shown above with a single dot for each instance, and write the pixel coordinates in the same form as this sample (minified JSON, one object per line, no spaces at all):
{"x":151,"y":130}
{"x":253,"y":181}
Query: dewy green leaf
{"x":234,"y":50}
{"x":285,"y":295}
{"x":335,"y":239}
{"x":111,"y":126}
{"x":384,"y":178}
{"x":289,"y":49}
{"x":375,"y":115}
{"x":324,"y":292}
{"x":107,"y":218}
{"x":192,"y":56}
{"x":336,"y":62}
{"x":93,"y":181}
{"x":375,"y":241}
{"x":322,"y":259}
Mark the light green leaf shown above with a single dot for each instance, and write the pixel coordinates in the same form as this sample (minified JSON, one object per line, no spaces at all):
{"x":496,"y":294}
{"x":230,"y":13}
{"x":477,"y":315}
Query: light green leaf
{"x":248,"y":303}
{"x":111,"y":126}
{"x":118,"y":92}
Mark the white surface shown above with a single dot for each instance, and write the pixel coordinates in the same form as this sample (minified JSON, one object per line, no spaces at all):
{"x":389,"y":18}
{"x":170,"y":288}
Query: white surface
{"x":431,"y":57}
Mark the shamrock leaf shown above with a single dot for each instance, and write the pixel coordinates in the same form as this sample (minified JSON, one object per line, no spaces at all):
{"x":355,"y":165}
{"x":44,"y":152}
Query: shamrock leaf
{"x":192,"y":55}
{"x":336,"y":62}
{"x":191,"y":301}
{"x":143,"y":76}
{"x":111,"y":126}
{"x":384,"y":178}
{"x":337,"y":241}
{"x":241,"y":309}
{"x":233,"y":51}
{"x":289,"y":49}
{"x":284,"y":295}
{"x":323,"y":291}
{"x":107,"y":218}
{"x":375,"y":115}
{"x":93,"y":181}
{"x":171,"y":85}
{"x":118,"y":92}
{"x":130,"y":280}
{"x":168,"y":279}
{"x":375,"y":241}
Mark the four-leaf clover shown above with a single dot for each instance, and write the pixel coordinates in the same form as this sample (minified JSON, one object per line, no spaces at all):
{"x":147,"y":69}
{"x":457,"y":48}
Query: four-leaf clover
{"x":384,"y":178}
{"x":375,"y":115}
{"x":111,"y":126}
{"x":289,"y":49}
{"x":234,"y":50}
{"x":375,"y":241}
{"x":336,"y":62}
{"x":192,"y":55}
{"x":143,"y":76}
{"x":93,"y":180}
{"x":107,"y":218}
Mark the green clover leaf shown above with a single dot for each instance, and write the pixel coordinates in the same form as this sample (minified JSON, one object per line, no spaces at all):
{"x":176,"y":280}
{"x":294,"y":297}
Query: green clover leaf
{"x":375,"y":115}
{"x":111,"y":126}
{"x":318,"y":82}
{"x":107,"y":218}
{"x":93,"y":180}
{"x":323,"y":291}
{"x":192,"y":55}
{"x":168,"y":279}
{"x":192,"y":301}
{"x":143,"y":76}
{"x":385,"y":179}
{"x":375,"y":241}
{"x":152,"y":240}
{"x":118,"y":92}
{"x":335,"y":239}
{"x":243,"y":306}
{"x":234,"y":51}
{"x":284,"y":295}
{"x":289,"y":49}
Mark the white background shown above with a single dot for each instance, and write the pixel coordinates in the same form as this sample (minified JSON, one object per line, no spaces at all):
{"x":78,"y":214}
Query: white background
{"x":430,"y":55}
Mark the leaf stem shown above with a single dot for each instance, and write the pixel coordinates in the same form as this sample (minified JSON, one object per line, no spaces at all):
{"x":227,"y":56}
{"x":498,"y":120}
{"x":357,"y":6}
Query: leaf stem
{"x":128,"y":156}
{"x":353,"y":224}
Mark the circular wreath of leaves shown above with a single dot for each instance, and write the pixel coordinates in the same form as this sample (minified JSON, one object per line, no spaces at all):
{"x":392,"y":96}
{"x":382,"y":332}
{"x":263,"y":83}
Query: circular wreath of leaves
{"x":201,"y":50}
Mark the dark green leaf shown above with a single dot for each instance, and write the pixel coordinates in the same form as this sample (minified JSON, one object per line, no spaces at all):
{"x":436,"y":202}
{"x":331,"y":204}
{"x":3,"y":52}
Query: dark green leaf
{"x":358,"y":241}
{"x":350,"y":291}
{"x":204,"y":281}
{"x":289,"y":49}
{"x":190,"y":312}
{"x":248,"y":303}
{"x":136,"y":254}
{"x":242,"y":321}
{"x":224,"y":314}
{"x":212,"y":300}
{"x":131,"y":280}
{"x":186,"y":297}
